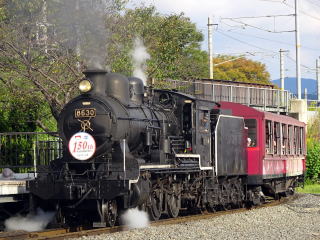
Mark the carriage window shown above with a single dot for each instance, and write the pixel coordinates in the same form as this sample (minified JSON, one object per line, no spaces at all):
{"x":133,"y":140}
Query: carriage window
{"x":251,"y":124}
{"x":277,"y":138}
{"x":269,"y":137}
{"x":302,"y":141}
{"x":284,"y":147}
{"x":290,"y":140}
{"x":296,"y":142}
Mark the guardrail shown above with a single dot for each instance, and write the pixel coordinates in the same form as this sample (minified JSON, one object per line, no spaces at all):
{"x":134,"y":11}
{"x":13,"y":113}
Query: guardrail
{"x":263,"y":98}
{"x":24,"y":151}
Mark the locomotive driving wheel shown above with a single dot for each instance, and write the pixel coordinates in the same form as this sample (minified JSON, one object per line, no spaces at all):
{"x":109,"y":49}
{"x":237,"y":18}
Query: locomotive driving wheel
{"x":224,"y":197}
{"x":155,"y":208}
{"x":235,"y":197}
{"x":110,"y":212}
{"x":174,"y":201}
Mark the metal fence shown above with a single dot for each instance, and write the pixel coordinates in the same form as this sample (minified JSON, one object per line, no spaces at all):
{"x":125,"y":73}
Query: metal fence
{"x":24,"y":151}
{"x":264,"y":98}
{"x":313,"y":105}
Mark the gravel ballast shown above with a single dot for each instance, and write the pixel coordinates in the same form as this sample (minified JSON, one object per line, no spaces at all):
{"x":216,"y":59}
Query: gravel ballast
{"x":299,"y":219}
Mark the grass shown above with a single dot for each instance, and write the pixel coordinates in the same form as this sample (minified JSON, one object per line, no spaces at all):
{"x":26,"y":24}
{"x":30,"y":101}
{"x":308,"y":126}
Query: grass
{"x":309,"y":188}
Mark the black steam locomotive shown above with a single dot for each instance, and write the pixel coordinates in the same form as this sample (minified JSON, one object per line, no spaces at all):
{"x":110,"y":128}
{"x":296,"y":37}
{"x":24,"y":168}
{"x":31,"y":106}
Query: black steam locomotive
{"x":159,"y":150}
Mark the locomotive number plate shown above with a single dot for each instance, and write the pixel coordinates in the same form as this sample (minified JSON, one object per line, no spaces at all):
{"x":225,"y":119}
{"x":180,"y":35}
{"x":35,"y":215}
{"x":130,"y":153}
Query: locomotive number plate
{"x":85,"y":112}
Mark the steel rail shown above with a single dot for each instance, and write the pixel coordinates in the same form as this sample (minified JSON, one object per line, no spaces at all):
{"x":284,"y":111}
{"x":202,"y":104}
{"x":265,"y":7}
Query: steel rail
{"x":63,"y":233}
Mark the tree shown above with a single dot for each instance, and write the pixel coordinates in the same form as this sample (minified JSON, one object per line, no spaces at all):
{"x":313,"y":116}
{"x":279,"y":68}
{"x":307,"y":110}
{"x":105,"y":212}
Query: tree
{"x":173,"y":43}
{"x":240,"y":70}
{"x":35,"y":59}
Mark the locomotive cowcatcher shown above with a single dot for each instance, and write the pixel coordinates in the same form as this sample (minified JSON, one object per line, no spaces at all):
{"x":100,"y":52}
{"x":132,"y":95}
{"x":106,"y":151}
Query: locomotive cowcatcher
{"x":159,"y":150}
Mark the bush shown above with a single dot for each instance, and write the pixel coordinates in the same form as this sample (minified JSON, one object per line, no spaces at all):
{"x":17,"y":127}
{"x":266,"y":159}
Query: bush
{"x":313,"y":160}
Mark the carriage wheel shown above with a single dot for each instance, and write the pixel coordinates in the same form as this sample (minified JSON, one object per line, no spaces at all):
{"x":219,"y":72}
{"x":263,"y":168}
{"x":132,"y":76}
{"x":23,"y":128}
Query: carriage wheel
{"x":174,"y":201}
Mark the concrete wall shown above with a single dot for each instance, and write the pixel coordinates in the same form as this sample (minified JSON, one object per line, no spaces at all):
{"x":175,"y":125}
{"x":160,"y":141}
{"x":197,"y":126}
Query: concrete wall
{"x":299,"y":109}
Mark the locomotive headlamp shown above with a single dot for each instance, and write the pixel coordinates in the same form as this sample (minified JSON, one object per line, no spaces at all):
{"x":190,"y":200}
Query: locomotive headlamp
{"x":85,"y":86}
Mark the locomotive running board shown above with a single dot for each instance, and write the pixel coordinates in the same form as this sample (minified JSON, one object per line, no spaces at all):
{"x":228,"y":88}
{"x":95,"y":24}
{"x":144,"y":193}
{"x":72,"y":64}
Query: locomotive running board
{"x":167,"y":166}
{"x":156,"y":166}
{"x":188,"y":155}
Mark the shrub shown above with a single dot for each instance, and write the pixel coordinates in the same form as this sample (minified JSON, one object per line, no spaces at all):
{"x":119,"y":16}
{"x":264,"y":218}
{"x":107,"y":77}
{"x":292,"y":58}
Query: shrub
{"x":313,"y":160}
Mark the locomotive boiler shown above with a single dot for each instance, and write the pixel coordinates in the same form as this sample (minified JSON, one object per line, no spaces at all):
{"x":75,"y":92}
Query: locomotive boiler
{"x":126,"y":146}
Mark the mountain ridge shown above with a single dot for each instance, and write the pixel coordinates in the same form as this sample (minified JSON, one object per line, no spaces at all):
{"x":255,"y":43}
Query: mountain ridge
{"x":308,"y":83}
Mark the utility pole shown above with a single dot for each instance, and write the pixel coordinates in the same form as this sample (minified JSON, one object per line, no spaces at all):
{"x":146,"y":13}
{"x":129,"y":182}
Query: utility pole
{"x":210,"y":48}
{"x":318,"y":78}
{"x":298,"y":71}
{"x":282,"y":69}
{"x":306,"y":93}
{"x":210,"y":28}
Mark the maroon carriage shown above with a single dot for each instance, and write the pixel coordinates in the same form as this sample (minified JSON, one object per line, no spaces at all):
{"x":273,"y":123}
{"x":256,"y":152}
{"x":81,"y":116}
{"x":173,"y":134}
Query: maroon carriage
{"x":276,"y":148}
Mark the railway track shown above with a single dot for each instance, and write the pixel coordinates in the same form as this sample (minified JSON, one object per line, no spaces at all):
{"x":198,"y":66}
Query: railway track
{"x":64,"y":233}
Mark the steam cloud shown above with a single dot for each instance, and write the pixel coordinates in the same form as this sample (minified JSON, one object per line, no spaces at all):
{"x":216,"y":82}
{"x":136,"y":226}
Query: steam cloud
{"x":134,"y":218}
{"x":81,"y":26}
{"x":139,"y":58}
{"x":29,"y":223}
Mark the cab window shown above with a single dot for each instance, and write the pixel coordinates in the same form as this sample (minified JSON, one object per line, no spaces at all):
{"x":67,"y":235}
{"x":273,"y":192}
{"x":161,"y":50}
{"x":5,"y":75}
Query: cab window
{"x":251,"y":124}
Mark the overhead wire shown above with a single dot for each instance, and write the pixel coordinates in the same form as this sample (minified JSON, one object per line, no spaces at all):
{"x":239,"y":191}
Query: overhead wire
{"x":315,"y":4}
{"x":271,"y":40}
{"x":306,"y":69}
{"x":259,"y":28}
{"x":302,"y":65}
{"x":301,"y":11}
{"x":265,"y":16}
{"x":243,"y":42}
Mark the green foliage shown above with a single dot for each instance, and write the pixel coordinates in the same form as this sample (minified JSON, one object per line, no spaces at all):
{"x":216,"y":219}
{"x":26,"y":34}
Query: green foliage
{"x":313,"y":153}
{"x":310,"y":187}
{"x":18,"y":114}
{"x":16,"y":153}
{"x":314,"y":128}
{"x":240,"y":70}
{"x":172,"y":41}
{"x":39,"y":59}
{"x":313,"y":160}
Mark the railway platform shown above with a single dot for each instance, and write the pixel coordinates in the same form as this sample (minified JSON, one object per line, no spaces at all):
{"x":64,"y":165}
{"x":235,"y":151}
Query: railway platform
{"x":13,"y":188}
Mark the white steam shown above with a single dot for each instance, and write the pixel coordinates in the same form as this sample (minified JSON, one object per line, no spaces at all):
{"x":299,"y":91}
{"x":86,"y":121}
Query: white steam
{"x":139,"y":57}
{"x":134,"y":218}
{"x":30,"y":222}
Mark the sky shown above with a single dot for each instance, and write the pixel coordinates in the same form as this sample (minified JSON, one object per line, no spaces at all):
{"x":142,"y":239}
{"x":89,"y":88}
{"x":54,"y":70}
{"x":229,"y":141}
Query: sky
{"x":250,"y":28}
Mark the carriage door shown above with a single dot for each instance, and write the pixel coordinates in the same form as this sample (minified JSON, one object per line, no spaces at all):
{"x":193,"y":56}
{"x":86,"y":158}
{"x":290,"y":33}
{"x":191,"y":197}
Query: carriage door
{"x":204,"y":137}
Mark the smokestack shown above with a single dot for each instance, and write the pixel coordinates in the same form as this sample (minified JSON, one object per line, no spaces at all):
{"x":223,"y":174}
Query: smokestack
{"x":98,"y":79}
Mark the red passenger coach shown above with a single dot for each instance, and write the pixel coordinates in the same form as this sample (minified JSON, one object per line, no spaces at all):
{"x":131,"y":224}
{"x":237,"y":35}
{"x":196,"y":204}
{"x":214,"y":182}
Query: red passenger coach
{"x":276,"y":148}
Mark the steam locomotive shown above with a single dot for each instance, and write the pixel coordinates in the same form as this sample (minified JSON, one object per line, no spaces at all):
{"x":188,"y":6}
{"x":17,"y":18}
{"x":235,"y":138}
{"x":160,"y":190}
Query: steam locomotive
{"x":161,"y":151}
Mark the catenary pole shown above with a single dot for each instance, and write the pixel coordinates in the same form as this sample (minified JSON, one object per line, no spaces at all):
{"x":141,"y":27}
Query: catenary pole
{"x":210,"y":29}
{"x":281,"y":69}
{"x":318,"y":78}
{"x":298,"y":71}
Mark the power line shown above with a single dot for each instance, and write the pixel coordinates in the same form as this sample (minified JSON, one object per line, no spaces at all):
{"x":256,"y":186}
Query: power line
{"x":246,"y":43}
{"x":302,"y":65}
{"x":301,"y":11}
{"x":266,"y":16}
{"x":271,"y":40}
{"x":262,"y":29}
{"x":315,"y":4}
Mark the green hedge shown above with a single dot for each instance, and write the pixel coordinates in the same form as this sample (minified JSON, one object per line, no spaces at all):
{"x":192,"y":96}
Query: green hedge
{"x":313,"y":160}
